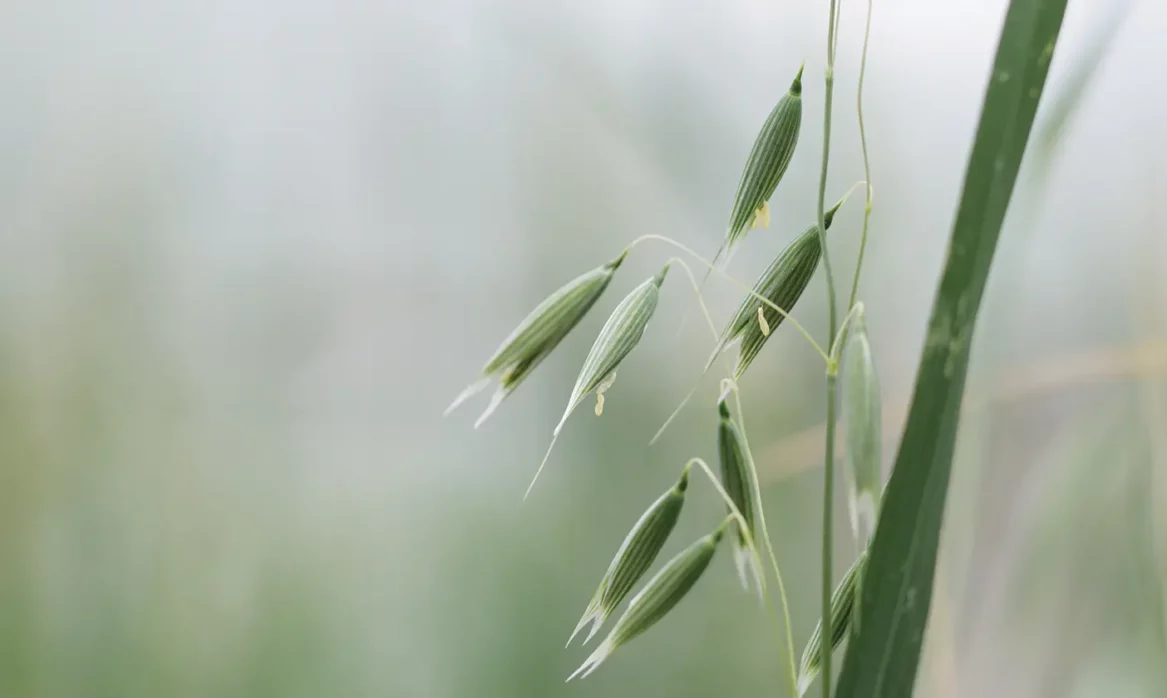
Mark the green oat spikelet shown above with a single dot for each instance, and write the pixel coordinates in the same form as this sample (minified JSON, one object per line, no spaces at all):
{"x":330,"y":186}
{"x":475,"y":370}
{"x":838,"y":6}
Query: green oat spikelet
{"x":538,"y":335}
{"x":769,"y":157}
{"x":635,"y":555}
{"x":842,"y":607}
{"x":657,"y":598}
{"x":739,"y":485}
{"x":619,"y":336}
{"x":782,"y":283}
{"x":861,"y":415}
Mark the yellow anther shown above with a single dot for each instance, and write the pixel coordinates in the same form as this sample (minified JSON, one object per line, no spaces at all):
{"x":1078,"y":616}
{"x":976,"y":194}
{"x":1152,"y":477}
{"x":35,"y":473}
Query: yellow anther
{"x":761,"y":216}
{"x":762,"y":322}
{"x":599,"y":404}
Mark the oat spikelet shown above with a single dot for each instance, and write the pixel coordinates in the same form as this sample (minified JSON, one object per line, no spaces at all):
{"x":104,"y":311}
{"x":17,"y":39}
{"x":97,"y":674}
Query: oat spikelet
{"x":538,"y":335}
{"x":657,"y":598}
{"x":635,"y":555}
{"x":861,"y":417}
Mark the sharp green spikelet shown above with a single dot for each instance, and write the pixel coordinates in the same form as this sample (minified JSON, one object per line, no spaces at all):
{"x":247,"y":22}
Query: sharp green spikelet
{"x":657,"y":598}
{"x":538,"y":334}
{"x":767,"y":162}
{"x":842,"y":605}
{"x":739,"y":485}
{"x":782,"y":283}
{"x":636,"y":554}
{"x":619,"y":336}
{"x":861,"y":415}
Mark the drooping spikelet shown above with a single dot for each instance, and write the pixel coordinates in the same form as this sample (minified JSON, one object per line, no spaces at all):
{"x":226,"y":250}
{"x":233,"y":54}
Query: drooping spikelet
{"x":636,"y":554}
{"x":782,"y":283}
{"x":770,"y":156}
{"x":657,"y":598}
{"x":538,"y":335}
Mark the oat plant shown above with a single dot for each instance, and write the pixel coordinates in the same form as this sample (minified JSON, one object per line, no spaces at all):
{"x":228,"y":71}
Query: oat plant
{"x":878,"y":609}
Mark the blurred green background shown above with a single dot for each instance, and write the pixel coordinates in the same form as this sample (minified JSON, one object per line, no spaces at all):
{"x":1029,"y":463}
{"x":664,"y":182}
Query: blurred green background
{"x":250,"y":250}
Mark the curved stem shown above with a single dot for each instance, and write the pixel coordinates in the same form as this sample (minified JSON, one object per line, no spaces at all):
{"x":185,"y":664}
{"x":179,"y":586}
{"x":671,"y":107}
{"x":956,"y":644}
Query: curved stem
{"x":736,"y":282}
{"x":766,"y":536}
{"x":697,"y":290}
{"x":866,"y":161}
{"x":828,"y":462}
{"x":716,"y":337}
{"x":736,"y":515}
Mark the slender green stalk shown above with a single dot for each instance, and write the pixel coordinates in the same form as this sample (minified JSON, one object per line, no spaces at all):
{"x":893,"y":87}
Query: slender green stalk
{"x":828,"y":535}
{"x":866,"y":161}
{"x":832,"y":367}
{"x":792,"y":672}
{"x":766,"y":535}
{"x":822,"y":223}
{"x":736,"y":515}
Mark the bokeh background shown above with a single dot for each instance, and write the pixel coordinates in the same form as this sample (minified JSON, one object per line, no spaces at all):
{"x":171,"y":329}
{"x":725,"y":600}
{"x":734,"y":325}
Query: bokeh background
{"x":250,"y":250}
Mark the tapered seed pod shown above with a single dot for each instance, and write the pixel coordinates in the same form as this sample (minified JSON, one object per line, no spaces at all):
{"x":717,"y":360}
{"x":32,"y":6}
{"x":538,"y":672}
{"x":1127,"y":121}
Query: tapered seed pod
{"x":739,"y":485}
{"x":782,"y":283}
{"x":842,"y":607}
{"x":538,"y":335}
{"x":657,"y":598}
{"x":619,"y":336}
{"x":861,"y":416}
{"x":767,"y":162}
{"x":636,"y":554}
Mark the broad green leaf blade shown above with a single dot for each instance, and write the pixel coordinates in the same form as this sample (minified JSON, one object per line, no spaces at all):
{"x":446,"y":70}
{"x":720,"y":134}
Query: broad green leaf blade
{"x":897,"y":589}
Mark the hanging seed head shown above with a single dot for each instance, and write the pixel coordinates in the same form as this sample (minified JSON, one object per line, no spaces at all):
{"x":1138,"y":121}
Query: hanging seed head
{"x":766,"y":164}
{"x":739,"y":485}
{"x":861,"y":415}
{"x":782,"y":283}
{"x":538,"y":335}
{"x":842,"y":607}
{"x":619,"y":336}
{"x":635,"y":555}
{"x":657,"y":598}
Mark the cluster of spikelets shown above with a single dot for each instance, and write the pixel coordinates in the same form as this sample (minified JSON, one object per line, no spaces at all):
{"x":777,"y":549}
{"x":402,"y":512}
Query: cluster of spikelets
{"x":773,"y":295}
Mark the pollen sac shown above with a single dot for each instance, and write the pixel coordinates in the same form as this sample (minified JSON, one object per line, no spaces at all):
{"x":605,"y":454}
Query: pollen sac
{"x":538,"y":335}
{"x":666,"y":588}
{"x":767,"y":162}
{"x":862,"y":421}
{"x":619,"y":336}
{"x":635,"y":555}
{"x":782,"y":283}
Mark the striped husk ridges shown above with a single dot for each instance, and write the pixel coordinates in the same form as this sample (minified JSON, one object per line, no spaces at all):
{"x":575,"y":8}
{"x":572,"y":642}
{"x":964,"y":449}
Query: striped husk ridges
{"x":767,"y":163}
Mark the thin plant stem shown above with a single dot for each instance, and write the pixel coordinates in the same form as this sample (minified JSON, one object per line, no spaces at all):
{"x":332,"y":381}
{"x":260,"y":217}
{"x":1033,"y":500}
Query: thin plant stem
{"x":716,"y":337}
{"x":828,"y":525}
{"x":735,"y":282}
{"x":832,"y":368}
{"x":736,"y":515}
{"x":696,"y":290}
{"x":866,"y":161}
{"x":734,"y":512}
{"x":793,"y":672}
